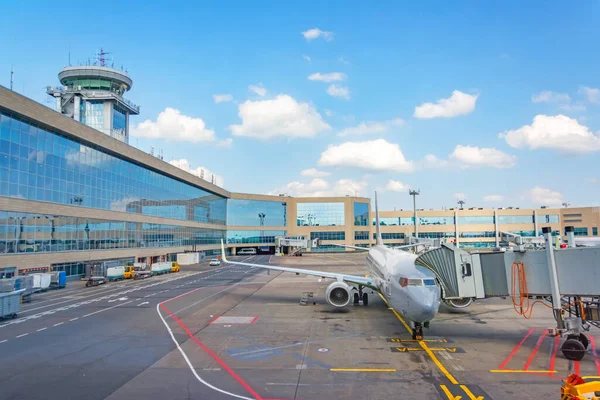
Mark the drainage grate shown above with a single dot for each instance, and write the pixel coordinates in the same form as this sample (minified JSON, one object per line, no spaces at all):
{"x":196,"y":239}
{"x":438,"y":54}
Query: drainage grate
{"x":305,"y":297}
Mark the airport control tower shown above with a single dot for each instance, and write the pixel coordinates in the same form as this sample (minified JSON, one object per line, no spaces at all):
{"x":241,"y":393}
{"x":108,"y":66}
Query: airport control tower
{"x":93,"y":95}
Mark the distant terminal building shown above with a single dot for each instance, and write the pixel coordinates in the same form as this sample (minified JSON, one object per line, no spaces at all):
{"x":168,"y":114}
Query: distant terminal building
{"x":93,"y":95}
{"x":73,"y":193}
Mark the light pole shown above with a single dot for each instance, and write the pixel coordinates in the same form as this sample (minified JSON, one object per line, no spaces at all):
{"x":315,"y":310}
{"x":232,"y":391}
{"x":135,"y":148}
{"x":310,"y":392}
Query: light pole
{"x":261,"y":217}
{"x":565,"y":204}
{"x":461,"y":203}
{"x":414,"y":194}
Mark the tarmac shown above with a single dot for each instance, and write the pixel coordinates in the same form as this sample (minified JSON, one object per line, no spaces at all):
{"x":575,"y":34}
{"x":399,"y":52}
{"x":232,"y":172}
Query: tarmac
{"x":236,"y":332}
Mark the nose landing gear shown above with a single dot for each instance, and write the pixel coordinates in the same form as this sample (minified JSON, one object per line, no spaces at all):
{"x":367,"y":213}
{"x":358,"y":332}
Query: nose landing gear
{"x":361,"y":296}
{"x":417,"y":332}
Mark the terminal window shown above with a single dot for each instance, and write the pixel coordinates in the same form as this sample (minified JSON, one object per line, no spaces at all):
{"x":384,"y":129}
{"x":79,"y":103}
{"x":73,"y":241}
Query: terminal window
{"x":515,"y":219}
{"x":436,"y":221}
{"x":389,"y":235}
{"x":255,"y":236}
{"x":394,"y":221}
{"x":256,"y":213}
{"x":341,"y":235}
{"x":580,"y":231}
{"x":476,"y":219}
{"x":320,"y":214}
{"x":360,"y":235}
{"x":361,"y":214}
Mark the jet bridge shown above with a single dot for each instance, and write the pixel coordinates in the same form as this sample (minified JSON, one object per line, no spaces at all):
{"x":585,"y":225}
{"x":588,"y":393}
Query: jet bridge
{"x":568,"y":279}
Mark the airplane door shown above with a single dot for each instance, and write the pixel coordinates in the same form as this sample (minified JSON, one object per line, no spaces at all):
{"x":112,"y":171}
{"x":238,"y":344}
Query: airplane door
{"x":388,"y":288}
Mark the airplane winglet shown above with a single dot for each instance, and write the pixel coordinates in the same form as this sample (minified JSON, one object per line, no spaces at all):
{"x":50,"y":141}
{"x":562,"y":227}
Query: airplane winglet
{"x":223,"y":252}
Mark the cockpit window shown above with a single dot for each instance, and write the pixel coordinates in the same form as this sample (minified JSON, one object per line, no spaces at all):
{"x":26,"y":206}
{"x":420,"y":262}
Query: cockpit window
{"x":416,"y":282}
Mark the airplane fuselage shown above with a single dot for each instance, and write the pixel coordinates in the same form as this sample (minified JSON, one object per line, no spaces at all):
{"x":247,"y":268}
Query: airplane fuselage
{"x":410,"y":289}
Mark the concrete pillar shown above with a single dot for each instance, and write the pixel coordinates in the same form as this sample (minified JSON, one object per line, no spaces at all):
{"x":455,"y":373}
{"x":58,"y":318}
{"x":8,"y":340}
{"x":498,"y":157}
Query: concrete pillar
{"x":570,"y":232}
{"x":456,"y":230}
{"x":76,"y":108}
{"x":107,"y":118}
{"x":496,"y":228}
{"x":535,"y":223}
{"x":58,"y":104}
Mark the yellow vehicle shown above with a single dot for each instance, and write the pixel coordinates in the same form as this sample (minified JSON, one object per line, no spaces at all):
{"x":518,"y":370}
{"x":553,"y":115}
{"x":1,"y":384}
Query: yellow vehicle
{"x":175,"y":267}
{"x":128,"y":272}
{"x":576,"y":388}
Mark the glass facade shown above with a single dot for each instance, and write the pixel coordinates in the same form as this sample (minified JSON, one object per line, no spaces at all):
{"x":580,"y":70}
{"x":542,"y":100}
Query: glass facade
{"x":119,"y":124}
{"x":530,"y":233}
{"x":436,"y":235}
{"x":361,"y":214}
{"x":253,"y":236}
{"x":361,"y":235}
{"x":328,"y":235}
{"x":91,"y":113}
{"x":476,"y":245}
{"x":515,"y":219}
{"x":320,"y":214}
{"x":78,"y":268}
{"x":549,"y":218}
{"x":256,"y":213}
{"x":34,"y":233}
{"x":436,"y":220}
{"x":36,"y":164}
{"x":476,"y":219}
{"x":580,"y":231}
{"x":477,"y":234}
{"x":327,"y":248}
{"x":595,"y":231}
{"x":389,"y":235}
{"x":394,"y":221}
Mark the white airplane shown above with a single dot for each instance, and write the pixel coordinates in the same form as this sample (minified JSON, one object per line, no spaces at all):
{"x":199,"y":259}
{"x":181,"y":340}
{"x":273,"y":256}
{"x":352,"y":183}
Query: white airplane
{"x":410,"y":289}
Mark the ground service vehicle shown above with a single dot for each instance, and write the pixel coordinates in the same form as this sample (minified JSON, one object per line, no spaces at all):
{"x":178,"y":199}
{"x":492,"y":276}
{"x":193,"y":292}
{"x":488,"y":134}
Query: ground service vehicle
{"x":214,"y":263}
{"x":128,"y":272}
{"x":246,"y":252}
{"x":175,"y":267}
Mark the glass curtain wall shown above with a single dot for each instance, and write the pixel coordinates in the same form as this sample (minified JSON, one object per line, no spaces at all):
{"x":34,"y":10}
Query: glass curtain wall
{"x":253,"y":236}
{"x":320,"y":214}
{"x":361,"y":214}
{"x":37,"y":164}
{"x":256,"y":213}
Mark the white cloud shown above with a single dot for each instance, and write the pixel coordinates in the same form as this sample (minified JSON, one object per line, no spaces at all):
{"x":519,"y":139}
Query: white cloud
{"x":222,"y":98}
{"x":548,"y":96}
{"x":591,"y":180}
{"x":281,"y":116}
{"x":558,"y":133}
{"x":544,"y":197}
{"x":371,"y":128}
{"x":338,"y":91}
{"x":258,"y":89}
{"x":591,"y":94}
{"x":396,"y":186}
{"x":329,"y":77}
{"x":431,"y":161}
{"x":493,"y":198}
{"x":307,"y":58}
{"x":200,"y":172}
{"x":460,"y":196}
{"x":172,"y":125}
{"x":329,"y":113}
{"x":472,"y":156}
{"x":458,"y":104}
{"x":316,"y":33}
{"x":315,"y":173}
{"x":121,"y":205}
{"x":321,"y":188}
{"x":377,"y":155}
{"x":343,"y":60}
{"x":573,"y":107}
{"x":225,"y":143}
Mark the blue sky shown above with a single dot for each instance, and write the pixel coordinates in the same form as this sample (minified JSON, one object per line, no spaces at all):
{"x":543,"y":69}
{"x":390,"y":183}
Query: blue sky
{"x":497,"y":65}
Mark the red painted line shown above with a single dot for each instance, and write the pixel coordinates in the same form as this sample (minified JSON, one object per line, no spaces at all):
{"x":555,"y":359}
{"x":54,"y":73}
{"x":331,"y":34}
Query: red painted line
{"x":515,"y":350}
{"x":595,"y":354}
{"x":213,"y":355}
{"x":577,"y":368}
{"x":214,"y":319}
{"x":181,"y":295}
{"x":254,"y":320}
{"x":535,"y":350}
{"x":553,"y":358}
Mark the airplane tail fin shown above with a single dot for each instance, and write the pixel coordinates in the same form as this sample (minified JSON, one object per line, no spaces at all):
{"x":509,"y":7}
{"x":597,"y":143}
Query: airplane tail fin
{"x":378,"y":241}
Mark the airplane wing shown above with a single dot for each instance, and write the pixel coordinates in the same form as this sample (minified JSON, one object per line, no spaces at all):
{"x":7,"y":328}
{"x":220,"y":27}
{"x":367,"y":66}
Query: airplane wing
{"x":358,"y":280}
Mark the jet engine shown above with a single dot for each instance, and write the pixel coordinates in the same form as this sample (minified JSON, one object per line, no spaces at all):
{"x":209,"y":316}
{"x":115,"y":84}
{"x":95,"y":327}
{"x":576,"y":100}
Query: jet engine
{"x":459,"y":303}
{"x":338,"y":294}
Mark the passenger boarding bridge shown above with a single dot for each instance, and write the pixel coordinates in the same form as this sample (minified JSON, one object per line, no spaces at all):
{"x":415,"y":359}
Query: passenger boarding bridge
{"x":566,"y":279}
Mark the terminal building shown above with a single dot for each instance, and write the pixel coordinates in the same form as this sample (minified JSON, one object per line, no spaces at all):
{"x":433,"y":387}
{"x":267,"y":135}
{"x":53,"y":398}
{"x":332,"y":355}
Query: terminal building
{"x":74,"y":193}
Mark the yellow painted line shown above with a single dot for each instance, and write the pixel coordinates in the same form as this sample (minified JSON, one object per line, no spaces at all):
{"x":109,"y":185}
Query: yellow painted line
{"x":396,"y":340}
{"x":471,"y":395}
{"x":363,"y":369}
{"x":424,"y":347}
{"x":449,"y":394}
{"x":522,"y":371}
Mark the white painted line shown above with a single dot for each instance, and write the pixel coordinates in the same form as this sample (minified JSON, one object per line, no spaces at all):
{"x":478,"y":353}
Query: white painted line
{"x":109,"y":308}
{"x":25,"y":334}
{"x":187,"y":360}
{"x":3,"y":341}
{"x":141,"y":304}
{"x":74,"y":319}
{"x":60,"y":323}
{"x":42,"y":329}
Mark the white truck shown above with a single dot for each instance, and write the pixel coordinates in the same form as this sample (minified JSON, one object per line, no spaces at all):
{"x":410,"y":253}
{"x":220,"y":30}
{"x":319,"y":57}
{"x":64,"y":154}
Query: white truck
{"x":141,"y":271}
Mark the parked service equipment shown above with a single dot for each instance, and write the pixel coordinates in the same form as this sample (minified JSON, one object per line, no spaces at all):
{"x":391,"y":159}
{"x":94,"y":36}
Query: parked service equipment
{"x":128,"y":272}
{"x":175,"y":267}
{"x":58,"y":279}
{"x":115,"y":273}
{"x":10,"y":303}
{"x":41,"y":282}
{"x":160,"y":268}
{"x":190,"y":258}
{"x":95,"y":275}
{"x":7,"y":285}
{"x":25,"y":283}
{"x":141,"y":271}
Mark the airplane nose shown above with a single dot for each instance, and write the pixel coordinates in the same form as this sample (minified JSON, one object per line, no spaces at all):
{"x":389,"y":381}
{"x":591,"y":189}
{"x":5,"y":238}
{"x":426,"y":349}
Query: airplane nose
{"x":428,"y":299}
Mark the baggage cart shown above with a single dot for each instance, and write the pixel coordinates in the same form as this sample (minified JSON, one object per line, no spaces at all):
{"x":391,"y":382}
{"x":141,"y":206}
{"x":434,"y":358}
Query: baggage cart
{"x":10,"y":303}
{"x":25,"y":283}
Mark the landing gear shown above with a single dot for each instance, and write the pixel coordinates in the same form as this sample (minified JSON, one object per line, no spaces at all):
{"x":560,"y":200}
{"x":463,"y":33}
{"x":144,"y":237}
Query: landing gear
{"x":574,"y":347}
{"x":360,"y":295}
{"x":417,"y":332}
{"x":356,"y":299}
{"x":365,"y":298}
